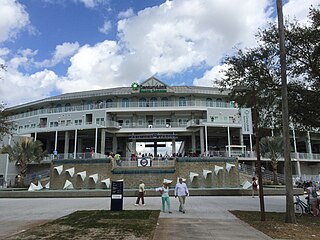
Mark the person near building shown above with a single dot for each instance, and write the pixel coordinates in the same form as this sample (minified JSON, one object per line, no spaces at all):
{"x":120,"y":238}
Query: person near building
{"x":313,"y":197}
{"x":141,"y":194}
{"x":181,"y":191}
{"x":165,"y":199}
{"x":254,"y":186}
{"x":117,"y":158}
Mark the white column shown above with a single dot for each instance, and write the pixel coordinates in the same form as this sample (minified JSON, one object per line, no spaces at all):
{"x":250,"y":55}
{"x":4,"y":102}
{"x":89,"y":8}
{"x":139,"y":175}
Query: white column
{"x":103,"y":141}
{"x":96,"y":141}
{"x":66,"y":144}
{"x":56,"y":141}
{"x":35,"y":136}
{"x":134,"y":146}
{"x":296,"y":152}
{"x":201,"y":140}
{"x":206,"y":138}
{"x":75,"y":144}
{"x":309,"y":144}
{"x":250,"y":143}
{"x":229,"y":142}
{"x":193,"y":142}
{"x":173,"y":146}
{"x":7,"y":162}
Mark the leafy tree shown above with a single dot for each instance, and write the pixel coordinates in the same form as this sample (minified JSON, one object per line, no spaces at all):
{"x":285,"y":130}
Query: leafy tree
{"x":252,"y":72}
{"x":303,"y":65}
{"x":272,"y":147}
{"x":23,"y":152}
{"x":259,"y":69}
{"x":5,"y":124}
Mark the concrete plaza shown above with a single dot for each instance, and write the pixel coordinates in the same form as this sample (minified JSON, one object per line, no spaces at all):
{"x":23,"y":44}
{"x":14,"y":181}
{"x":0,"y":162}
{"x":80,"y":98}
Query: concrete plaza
{"x":206,"y":217}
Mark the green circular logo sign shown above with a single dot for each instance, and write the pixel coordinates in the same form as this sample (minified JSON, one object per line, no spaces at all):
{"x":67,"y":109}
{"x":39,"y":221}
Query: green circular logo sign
{"x":135,"y":86}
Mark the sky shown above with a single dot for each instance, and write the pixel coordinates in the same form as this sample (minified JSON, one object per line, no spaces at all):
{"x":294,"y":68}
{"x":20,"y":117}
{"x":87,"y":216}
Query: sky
{"x":51,"y":47}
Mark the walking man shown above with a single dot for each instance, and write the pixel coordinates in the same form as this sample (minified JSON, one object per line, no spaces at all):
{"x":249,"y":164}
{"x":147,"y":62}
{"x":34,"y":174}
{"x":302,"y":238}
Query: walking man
{"x":181,"y":191}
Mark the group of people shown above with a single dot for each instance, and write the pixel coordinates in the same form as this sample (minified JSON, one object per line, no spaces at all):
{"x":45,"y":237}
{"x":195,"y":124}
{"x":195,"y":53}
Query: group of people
{"x":181,"y":192}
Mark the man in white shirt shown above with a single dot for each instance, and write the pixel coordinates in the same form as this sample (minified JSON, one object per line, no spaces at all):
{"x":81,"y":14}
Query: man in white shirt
{"x":181,"y":191}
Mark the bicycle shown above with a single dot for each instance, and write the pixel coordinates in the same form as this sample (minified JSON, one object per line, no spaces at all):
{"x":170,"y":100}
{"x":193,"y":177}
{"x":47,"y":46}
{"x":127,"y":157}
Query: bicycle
{"x":300,"y":207}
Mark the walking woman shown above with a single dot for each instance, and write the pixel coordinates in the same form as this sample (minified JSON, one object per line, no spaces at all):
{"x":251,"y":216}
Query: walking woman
{"x":164,"y":190}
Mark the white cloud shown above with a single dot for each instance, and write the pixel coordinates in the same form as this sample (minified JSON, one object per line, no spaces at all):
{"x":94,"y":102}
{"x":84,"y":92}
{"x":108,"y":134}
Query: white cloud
{"x":4,"y":51}
{"x":17,"y":88}
{"x":183,"y":34}
{"x":62,"y":52}
{"x":126,"y":14}
{"x":210,"y":76}
{"x":93,"y":67}
{"x":92,"y":3}
{"x":299,"y":9}
{"x":168,"y":39}
{"x":106,"y":27}
{"x":13,"y":19}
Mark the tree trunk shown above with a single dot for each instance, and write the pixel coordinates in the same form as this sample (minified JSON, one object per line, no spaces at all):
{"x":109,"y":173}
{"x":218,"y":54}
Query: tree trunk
{"x":290,"y":217}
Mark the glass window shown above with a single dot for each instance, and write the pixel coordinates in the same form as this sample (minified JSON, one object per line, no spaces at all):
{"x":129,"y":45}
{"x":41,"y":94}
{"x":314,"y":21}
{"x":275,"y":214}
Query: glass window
{"x":109,"y":103}
{"x":100,"y":104}
{"x":209,"y":102}
{"x":58,"y":108}
{"x":125,"y":102}
{"x":142,"y":102}
{"x":182,"y":101}
{"x":164,"y":102}
{"x":153,"y":102}
{"x":67,"y":107}
{"x":88,"y":105}
{"x":219,"y":102}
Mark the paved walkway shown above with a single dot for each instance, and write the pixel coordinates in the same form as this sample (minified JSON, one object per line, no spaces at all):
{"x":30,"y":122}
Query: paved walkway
{"x":206,"y":217}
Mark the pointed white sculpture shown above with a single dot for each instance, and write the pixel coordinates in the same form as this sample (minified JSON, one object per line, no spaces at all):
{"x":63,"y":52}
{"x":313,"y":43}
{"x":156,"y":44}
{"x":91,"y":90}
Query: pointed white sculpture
{"x":229,"y":166}
{"x":94,"y":177}
{"x":217,"y":169}
{"x":59,"y":169}
{"x":106,"y":182}
{"x":68,"y":185}
{"x":32,"y":187}
{"x":47,"y":186}
{"x":167,"y":181}
{"x":246,"y":185}
{"x":82,"y":175}
{"x":193,"y":175}
{"x":70,"y":171}
{"x":39,"y":186}
{"x":206,"y":172}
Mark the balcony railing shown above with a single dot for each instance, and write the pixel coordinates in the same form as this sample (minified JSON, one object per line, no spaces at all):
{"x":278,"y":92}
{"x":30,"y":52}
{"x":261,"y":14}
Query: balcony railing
{"x":122,"y":105}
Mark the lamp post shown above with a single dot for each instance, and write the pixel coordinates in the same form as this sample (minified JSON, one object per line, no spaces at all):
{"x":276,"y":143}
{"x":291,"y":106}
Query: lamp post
{"x":255,"y":119}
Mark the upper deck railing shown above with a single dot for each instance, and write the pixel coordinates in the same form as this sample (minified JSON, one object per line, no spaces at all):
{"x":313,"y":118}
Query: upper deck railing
{"x":122,"y":105}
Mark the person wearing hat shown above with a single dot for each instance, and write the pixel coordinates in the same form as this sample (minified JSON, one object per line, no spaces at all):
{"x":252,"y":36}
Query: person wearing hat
{"x":164,"y":190}
{"x":181,"y":191}
{"x":141,"y":193}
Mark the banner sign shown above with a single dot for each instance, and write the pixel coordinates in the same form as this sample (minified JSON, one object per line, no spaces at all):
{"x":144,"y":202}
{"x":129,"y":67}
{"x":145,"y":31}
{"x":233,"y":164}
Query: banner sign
{"x":246,"y":121}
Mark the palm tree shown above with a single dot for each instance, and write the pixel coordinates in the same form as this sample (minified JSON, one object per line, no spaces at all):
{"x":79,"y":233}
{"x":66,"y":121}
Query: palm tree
{"x":23,"y":152}
{"x":272,"y":147}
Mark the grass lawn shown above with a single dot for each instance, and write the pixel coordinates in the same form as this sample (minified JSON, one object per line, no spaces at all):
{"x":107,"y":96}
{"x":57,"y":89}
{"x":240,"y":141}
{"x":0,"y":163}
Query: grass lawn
{"x":307,"y":227}
{"x":98,"y":224}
